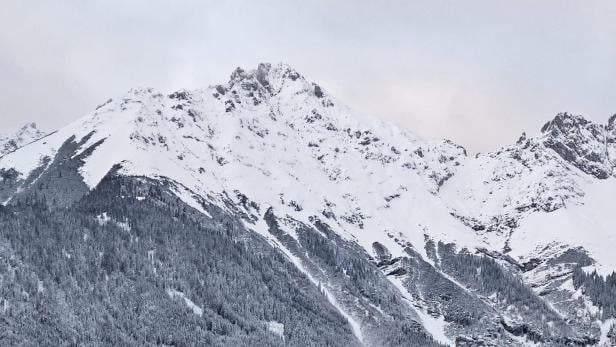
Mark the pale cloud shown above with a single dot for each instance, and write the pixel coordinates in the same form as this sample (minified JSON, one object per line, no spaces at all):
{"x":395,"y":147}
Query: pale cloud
{"x":478,"y":72}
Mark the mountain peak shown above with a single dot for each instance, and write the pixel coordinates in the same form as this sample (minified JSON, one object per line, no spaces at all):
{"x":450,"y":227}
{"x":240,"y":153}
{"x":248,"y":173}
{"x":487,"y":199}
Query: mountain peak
{"x":268,"y":76}
{"x":26,"y":134}
{"x":28,"y":130}
{"x":263,"y":72}
{"x":268,"y":80}
{"x":580,"y":142}
{"x":31,"y":125}
{"x":564,"y":122}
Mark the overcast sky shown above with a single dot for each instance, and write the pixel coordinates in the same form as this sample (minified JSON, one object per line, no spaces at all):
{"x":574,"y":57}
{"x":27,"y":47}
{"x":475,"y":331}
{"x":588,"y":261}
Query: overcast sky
{"x":477,"y":72}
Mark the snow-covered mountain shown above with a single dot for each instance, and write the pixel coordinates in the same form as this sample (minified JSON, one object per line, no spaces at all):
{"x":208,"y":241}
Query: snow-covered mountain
{"x":28,"y":133}
{"x":409,"y":241}
{"x":561,"y":182}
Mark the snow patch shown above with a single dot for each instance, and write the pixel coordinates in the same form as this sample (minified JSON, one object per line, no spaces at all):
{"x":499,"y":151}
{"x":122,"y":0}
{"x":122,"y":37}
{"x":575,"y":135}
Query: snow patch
{"x":435,"y":326}
{"x":604,"y":340}
{"x":103,"y":218}
{"x":191,"y":305}
{"x":276,"y":328}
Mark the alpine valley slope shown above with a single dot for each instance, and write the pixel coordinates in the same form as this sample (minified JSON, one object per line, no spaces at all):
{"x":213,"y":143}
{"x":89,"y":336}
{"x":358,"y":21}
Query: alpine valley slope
{"x":262,"y":212}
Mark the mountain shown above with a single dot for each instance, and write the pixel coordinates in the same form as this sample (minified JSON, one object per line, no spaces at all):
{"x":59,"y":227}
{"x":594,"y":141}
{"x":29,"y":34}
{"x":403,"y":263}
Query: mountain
{"x":261,"y":211}
{"x":558,"y":183}
{"x":28,"y":133}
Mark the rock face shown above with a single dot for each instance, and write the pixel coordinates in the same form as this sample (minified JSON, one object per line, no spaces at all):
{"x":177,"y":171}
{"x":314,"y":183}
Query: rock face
{"x":611,"y":140}
{"x":582,"y":143}
{"x":209,"y":216}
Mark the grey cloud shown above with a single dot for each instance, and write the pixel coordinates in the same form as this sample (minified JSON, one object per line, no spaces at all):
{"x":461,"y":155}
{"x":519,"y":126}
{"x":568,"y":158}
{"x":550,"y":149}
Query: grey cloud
{"x":478,"y":72}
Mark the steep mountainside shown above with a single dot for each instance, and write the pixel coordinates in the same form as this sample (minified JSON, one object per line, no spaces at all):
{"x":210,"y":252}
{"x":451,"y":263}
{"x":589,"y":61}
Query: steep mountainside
{"x":261,"y":211}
